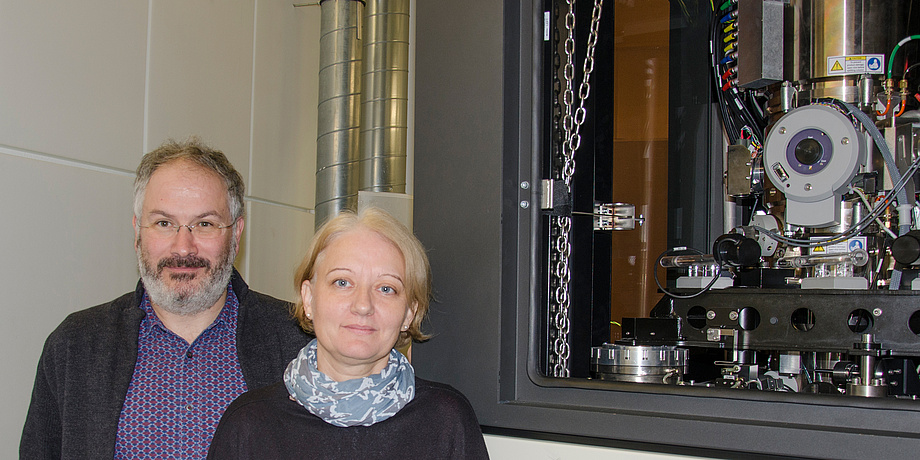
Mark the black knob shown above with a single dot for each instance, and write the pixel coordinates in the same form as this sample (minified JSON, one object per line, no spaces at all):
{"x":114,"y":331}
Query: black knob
{"x":736,"y":250}
{"x":906,"y":248}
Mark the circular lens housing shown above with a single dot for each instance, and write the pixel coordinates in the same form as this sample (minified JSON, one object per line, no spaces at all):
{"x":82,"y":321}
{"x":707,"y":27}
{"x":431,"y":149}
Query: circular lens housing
{"x":808,"y":151}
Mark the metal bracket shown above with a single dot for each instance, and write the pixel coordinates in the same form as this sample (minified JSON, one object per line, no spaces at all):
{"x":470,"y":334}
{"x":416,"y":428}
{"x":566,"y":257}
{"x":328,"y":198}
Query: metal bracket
{"x":555,"y":199}
{"x":616,"y":216}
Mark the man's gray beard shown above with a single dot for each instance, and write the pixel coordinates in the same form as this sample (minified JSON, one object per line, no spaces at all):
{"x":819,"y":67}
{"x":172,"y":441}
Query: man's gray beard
{"x":188,"y":301}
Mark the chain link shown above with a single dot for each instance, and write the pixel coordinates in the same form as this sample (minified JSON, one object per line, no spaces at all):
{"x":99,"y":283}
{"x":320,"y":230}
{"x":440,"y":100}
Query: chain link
{"x":568,"y":95}
{"x":561,"y":226}
{"x":559,"y":306}
{"x":573,"y":126}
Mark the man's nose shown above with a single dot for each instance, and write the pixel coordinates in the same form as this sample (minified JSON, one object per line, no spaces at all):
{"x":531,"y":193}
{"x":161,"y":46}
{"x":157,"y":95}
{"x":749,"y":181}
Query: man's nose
{"x":184,"y":242}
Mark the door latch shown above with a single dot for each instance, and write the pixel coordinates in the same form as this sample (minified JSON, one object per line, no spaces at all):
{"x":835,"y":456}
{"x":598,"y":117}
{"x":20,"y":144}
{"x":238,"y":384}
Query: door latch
{"x":616,"y":216}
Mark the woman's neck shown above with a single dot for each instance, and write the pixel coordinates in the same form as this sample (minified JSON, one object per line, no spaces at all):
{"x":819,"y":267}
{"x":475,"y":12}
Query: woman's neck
{"x":340,"y":371}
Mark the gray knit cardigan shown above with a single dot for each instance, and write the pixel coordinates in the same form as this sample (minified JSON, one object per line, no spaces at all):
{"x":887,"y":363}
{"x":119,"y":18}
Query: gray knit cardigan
{"x":87,"y":364}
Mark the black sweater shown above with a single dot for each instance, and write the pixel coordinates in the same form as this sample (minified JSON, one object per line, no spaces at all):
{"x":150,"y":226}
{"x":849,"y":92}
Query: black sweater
{"x":438,"y":424}
{"x":87,"y":364}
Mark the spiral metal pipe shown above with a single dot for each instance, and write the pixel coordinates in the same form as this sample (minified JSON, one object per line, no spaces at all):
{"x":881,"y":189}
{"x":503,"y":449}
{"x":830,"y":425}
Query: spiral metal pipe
{"x":384,"y":99}
{"x":362,"y":136}
{"x":339,"y":110}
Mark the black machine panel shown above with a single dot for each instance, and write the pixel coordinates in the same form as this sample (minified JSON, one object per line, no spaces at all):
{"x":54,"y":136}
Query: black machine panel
{"x":796,"y":352}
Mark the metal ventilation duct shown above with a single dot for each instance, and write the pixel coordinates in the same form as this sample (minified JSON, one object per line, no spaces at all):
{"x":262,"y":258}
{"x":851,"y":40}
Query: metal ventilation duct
{"x":384,"y":101}
{"x":339,"y":111}
{"x":363,"y":119}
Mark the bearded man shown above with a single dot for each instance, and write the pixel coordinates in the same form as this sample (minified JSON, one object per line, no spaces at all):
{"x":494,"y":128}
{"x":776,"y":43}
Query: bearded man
{"x":149,"y":374}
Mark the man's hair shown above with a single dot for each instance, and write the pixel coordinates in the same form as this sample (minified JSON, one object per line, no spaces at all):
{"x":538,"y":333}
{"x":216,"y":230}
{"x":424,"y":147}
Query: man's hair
{"x":197,"y":152}
{"x":418,"y":270}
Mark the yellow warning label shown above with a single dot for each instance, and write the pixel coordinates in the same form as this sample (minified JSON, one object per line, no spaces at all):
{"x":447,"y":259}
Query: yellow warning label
{"x":819,"y":250}
{"x":855,"y":64}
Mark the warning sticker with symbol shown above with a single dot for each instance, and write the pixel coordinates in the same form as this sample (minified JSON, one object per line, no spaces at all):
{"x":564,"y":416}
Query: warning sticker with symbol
{"x":856,"y":64}
{"x":842,"y":247}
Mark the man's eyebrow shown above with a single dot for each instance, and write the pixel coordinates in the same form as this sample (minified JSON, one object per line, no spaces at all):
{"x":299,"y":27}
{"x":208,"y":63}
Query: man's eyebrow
{"x":208,"y":214}
{"x":199,"y":216}
{"x":162,"y":213}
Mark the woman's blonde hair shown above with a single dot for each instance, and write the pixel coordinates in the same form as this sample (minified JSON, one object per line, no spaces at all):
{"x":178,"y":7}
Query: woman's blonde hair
{"x":418,"y":272}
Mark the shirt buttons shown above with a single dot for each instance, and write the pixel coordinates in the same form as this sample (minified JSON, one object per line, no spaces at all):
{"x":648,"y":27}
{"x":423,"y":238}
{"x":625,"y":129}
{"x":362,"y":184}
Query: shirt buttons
{"x":188,"y":407}
{"x":188,"y":354}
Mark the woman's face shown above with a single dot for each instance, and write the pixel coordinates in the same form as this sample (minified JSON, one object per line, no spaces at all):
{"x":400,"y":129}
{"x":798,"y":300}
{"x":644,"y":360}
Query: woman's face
{"x":358,"y":303}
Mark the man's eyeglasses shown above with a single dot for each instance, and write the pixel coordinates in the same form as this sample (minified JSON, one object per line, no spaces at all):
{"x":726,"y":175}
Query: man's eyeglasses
{"x":203,"y":229}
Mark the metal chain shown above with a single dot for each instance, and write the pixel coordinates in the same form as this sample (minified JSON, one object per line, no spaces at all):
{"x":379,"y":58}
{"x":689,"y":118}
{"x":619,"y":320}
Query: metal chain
{"x":572,"y":120}
{"x":561,"y":226}
{"x":568,"y":96}
{"x":559,"y":303}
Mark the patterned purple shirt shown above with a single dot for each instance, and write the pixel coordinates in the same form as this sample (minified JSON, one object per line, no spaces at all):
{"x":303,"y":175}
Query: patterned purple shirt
{"x":179,"y":391}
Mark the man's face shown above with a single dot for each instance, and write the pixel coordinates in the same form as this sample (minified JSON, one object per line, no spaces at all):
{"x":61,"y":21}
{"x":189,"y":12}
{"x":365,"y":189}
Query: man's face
{"x":185,"y":274}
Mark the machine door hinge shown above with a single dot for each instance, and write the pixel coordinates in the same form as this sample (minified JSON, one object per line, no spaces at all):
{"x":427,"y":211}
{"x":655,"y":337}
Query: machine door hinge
{"x":555,"y":199}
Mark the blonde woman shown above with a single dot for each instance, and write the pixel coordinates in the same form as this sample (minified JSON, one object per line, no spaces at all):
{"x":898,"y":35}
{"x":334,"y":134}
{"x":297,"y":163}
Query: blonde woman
{"x":365,"y":286}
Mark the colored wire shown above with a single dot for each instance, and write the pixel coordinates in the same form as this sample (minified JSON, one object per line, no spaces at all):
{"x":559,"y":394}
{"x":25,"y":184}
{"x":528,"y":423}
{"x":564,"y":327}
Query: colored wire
{"x":723,"y":111}
{"x":895,"y":50}
{"x":859,"y":227}
{"x":738,"y":108}
{"x":909,"y":69}
{"x":887,"y":108}
{"x":865,"y":200}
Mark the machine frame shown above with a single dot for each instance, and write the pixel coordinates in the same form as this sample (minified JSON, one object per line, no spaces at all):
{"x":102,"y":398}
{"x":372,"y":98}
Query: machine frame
{"x":484,"y":248}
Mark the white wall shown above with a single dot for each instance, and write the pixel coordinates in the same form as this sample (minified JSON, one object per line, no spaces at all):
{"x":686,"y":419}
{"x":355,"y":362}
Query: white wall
{"x":88,"y":87}
{"x":504,"y":447}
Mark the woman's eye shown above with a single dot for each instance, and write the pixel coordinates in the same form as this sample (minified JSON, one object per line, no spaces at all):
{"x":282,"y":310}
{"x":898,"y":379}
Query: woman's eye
{"x":340,"y":283}
{"x":387,"y":290}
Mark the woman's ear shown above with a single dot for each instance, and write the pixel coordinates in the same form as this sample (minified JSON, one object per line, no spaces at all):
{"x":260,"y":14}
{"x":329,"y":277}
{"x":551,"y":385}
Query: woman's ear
{"x":410,"y":316}
{"x":306,"y":294}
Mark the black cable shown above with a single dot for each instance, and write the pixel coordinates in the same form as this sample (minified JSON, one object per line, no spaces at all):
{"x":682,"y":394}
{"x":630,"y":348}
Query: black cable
{"x":856,"y":228}
{"x":909,"y":69}
{"x":735,"y":106}
{"x":682,"y":296}
{"x":727,"y":123}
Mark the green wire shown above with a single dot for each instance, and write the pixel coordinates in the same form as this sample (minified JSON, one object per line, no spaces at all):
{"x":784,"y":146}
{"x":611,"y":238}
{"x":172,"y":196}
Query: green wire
{"x":895,"y":51}
{"x":724,"y":5}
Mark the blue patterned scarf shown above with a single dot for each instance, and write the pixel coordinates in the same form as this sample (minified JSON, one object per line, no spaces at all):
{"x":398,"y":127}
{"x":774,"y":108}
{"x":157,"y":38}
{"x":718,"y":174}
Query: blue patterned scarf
{"x":363,"y":401}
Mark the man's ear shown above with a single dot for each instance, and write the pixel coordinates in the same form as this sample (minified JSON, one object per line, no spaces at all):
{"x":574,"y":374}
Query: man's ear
{"x":238,"y":230}
{"x":136,"y":231}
